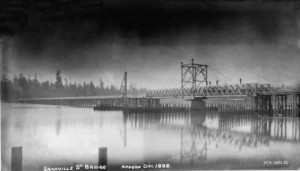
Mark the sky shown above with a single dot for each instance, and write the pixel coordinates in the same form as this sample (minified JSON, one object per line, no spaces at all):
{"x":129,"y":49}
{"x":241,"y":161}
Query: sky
{"x":256,"y":41}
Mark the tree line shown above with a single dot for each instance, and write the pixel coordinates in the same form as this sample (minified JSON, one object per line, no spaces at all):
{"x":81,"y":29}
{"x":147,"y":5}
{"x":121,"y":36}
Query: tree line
{"x":21,"y":87}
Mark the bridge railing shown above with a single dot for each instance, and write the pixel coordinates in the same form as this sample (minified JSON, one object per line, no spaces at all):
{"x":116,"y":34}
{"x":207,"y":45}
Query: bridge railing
{"x":212,"y":91}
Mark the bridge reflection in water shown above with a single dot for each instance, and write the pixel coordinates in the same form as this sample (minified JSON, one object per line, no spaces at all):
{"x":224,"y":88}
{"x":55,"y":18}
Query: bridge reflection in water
{"x":207,"y":132}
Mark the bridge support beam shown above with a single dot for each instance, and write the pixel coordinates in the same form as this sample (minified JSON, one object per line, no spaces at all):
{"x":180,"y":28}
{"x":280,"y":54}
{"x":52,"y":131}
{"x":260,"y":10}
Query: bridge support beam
{"x":198,"y":103}
{"x":264,"y":104}
{"x":153,"y":103}
{"x":296,"y":105}
{"x":281,"y":104}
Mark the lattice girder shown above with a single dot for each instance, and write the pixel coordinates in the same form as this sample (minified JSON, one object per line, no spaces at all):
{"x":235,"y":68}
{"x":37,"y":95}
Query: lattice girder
{"x":212,"y":91}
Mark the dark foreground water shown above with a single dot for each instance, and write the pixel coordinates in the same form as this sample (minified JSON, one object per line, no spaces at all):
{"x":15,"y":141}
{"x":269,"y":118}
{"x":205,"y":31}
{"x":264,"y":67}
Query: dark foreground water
{"x":55,"y":137}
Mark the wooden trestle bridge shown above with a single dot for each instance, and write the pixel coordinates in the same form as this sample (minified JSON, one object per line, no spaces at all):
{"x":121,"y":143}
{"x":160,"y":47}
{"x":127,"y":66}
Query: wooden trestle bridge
{"x":194,"y":89}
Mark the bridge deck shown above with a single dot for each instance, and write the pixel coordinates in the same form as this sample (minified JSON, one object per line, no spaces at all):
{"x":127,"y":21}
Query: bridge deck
{"x":236,"y":90}
{"x":86,"y":97}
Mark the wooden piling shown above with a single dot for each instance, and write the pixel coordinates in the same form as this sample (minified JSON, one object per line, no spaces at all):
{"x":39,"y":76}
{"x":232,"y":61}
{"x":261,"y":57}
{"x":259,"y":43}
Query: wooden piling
{"x":16,"y":159}
{"x":285,"y":104}
{"x":102,"y":161}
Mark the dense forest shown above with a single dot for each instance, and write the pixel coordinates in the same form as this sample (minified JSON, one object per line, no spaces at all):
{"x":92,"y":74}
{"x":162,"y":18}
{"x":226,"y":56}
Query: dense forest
{"x":21,"y":87}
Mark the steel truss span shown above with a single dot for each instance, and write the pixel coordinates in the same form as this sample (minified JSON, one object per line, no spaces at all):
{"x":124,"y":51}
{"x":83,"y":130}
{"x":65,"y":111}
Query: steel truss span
{"x":251,"y":89}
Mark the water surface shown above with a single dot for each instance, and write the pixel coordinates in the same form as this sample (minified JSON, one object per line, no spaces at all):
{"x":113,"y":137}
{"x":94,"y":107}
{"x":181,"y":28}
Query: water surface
{"x":56,"y":136}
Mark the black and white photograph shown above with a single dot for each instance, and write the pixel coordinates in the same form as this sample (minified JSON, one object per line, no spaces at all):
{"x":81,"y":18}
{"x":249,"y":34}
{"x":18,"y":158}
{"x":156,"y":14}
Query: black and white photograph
{"x":163,"y":85}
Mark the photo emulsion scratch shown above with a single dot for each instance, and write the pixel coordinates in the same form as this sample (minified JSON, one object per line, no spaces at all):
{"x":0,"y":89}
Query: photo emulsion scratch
{"x":150,"y":85}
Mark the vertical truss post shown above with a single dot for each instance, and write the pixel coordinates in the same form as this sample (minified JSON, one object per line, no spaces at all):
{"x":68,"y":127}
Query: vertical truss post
{"x":256,"y":102}
{"x":270,"y":105}
{"x":282,"y":104}
{"x":192,"y":76}
{"x":275,"y":105}
{"x":181,"y":80}
{"x":293,"y":104}
{"x":266,"y":104}
{"x":259,"y":103}
{"x":278,"y":105}
{"x":123,"y":101}
{"x":298,"y":104}
{"x":285,"y":105}
{"x":263,"y":103}
{"x":123,"y":87}
{"x":206,"y":75}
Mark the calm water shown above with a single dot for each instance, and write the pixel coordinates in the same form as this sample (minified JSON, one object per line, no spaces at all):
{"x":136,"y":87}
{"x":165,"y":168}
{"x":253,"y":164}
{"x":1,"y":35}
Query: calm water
{"x":64,"y":136}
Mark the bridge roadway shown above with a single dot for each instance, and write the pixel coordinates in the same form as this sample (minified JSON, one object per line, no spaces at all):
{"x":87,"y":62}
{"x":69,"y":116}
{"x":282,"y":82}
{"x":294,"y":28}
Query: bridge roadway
{"x":87,"y":101}
{"x":208,"y":91}
{"x":187,"y":93}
